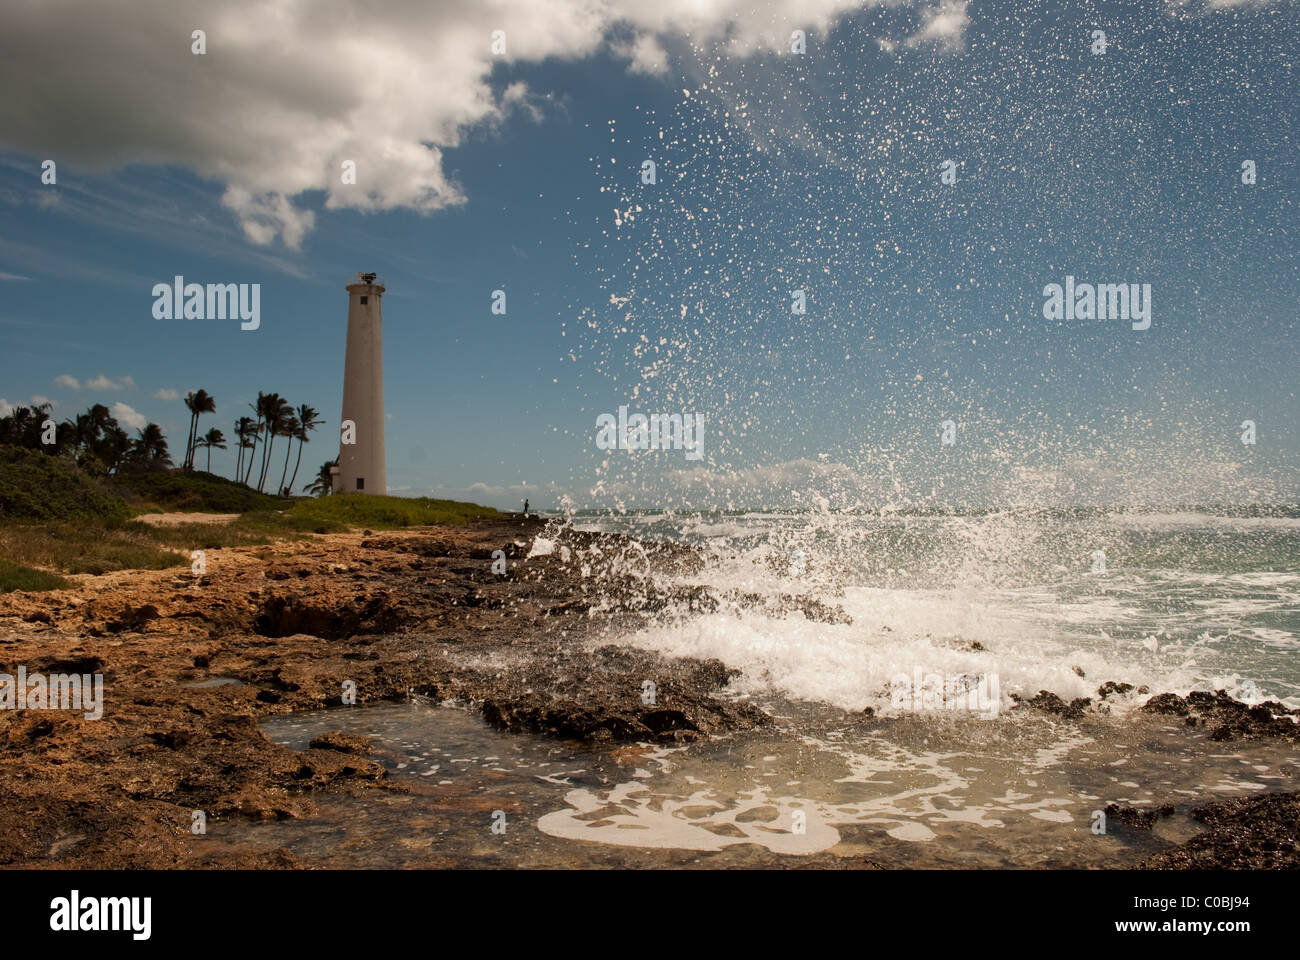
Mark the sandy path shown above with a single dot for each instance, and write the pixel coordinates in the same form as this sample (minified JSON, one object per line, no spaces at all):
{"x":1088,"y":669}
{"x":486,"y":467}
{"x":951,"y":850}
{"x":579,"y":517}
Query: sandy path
{"x":176,"y":519}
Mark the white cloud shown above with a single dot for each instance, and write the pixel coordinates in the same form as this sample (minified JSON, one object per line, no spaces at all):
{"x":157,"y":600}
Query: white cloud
{"x":6,"y":277}
{"x":944,"y":25}
{"x":289,"y":91}
{"x":102,"y":382}
{"x":39,"y":400}
{"x":644,"y":53}
{"x":6,"y":407}
{"x":164,"y":393}
{"x":128,"y":415}
{"x":64,"y":380}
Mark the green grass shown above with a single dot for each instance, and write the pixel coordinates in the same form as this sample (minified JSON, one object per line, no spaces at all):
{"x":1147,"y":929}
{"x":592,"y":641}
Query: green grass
{"x":386,"y":513}
{"x":87,"y":547}
{"x":14,"y":576}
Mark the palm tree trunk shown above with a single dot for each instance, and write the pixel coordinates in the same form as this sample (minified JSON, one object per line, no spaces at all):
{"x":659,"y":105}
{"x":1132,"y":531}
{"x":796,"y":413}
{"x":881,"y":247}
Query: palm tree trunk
{"x":189,"y":440}
{"x":239,"y":457}
{"x":252,"y":458}
{"x":266,"y":460}
{"x":297,"y":463}
{"x":261,"y":467}
{"x":209,"y":458}
{"x":285,"y":472}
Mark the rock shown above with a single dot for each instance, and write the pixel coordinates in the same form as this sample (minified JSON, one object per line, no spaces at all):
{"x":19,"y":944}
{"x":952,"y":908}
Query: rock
{"x":1248,"y":833}
{"x":1049,"y":702}
{"x":342,"y":742}
{"x":1111,"y":688}
{"x":1167,"y":703}
{"x":1143,"y":819}
{"x":132,"y":618}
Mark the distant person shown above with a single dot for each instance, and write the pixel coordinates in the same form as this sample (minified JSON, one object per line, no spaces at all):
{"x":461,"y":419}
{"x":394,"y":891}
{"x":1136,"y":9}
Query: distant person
{"x":525,"y":509}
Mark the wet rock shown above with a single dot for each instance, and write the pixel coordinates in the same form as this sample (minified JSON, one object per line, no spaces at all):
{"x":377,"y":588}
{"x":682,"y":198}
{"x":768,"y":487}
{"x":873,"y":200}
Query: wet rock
{"x":1049,"y":702}
{"x":1167,"y":703}
{"x":1229,"y":719}
{"x":342,"y":742}
{"x":1142,"y":819}
{"x":1250,"y":833}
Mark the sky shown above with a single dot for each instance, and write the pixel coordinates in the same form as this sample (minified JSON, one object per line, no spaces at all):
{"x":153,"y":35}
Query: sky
{"x":520,"y":168}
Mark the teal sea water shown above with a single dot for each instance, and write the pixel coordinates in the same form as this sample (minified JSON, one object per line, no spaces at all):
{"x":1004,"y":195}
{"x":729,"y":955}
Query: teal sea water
{"x":1172,"y":600}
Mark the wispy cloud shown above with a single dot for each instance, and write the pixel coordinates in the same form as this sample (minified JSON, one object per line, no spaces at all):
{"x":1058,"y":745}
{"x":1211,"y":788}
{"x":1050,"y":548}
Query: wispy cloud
{"x":102,"y":382}
{"x":155,"y":203}
{"x":60,"y":265}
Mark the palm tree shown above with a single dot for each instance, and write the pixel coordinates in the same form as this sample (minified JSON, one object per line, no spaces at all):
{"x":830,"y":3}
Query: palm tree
{"x":284,"y":426}
{"x":200,"y":402}
{"x":189,"y":437}
{"x":98,"y":438}
{"x":245,"y":431}
{"x":268,"y":406}
{"x":288,"y":428}
{"x":213,"y":438}
{"x":324,"y":482}
{"x":150,"y":447}
{"x":257,"y":436}
{"x":308,"y":420}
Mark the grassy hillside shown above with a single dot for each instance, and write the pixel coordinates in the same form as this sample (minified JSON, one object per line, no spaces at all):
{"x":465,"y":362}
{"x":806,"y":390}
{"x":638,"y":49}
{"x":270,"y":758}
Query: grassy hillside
{"x":176,"y":490}
{"x":366,"y":510}
{"x":54,"y":517}
{"x":35,"y":486}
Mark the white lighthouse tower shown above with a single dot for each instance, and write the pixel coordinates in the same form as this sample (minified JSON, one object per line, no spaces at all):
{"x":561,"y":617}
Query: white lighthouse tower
{"x":361,"y":463}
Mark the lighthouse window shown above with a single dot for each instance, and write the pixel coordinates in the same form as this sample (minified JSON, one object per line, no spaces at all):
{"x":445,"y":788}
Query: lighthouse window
{"x":365,"y":300}
{"x":361,"y":483}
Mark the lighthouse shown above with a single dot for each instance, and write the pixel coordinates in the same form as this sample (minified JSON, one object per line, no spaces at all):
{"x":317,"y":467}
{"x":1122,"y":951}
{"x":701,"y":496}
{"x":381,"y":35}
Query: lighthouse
{"x":361,"y":447}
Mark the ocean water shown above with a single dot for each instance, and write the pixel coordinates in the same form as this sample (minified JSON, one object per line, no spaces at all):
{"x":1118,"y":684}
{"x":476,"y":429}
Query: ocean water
{"x":1054,"y":600}
{"x":927,"y":790}
{"x":1186,"y":600}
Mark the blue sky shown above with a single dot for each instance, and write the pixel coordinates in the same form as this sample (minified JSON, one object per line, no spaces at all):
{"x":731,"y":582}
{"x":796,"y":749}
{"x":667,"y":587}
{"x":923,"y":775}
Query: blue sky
{"x":774,"y":172}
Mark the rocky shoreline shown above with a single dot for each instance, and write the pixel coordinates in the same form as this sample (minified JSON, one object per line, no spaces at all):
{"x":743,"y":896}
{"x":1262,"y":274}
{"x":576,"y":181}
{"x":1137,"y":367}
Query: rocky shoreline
{"x":500,"y":614}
